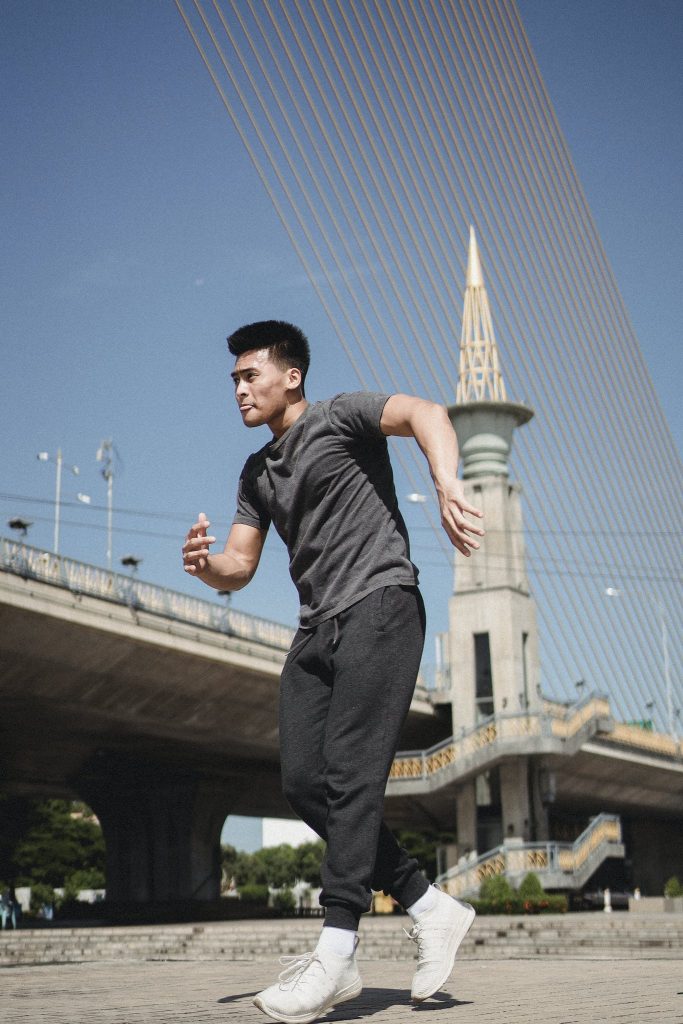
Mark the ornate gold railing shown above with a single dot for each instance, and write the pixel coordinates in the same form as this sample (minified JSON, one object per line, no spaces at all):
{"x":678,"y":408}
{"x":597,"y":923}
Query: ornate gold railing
{"x":554,"y":720}
{"x":634,"y":736}
{"x":595,"y":707}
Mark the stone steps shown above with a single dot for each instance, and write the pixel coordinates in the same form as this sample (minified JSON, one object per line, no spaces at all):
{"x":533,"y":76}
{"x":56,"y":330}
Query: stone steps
{"x":576,"y":935}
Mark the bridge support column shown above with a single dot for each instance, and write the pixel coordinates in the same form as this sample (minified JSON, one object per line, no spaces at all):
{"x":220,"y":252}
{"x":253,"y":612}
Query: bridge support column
{"x":162,"y":832}
{"x":466,"y":818}
{"x":514,"y":798}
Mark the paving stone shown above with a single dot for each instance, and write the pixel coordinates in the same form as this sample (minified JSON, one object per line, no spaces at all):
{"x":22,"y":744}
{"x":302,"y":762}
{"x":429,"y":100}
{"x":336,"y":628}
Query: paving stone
{"x":529,"y":991}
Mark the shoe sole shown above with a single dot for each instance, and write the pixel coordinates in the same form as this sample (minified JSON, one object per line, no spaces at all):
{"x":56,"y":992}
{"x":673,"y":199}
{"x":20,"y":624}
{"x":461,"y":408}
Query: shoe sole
{"x":454,"y":945}
{"x":306,"y":1018}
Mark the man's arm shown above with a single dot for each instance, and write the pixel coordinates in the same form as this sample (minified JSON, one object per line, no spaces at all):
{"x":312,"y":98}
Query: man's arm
{"x":428,"y":423}
{"x":232,"y":569}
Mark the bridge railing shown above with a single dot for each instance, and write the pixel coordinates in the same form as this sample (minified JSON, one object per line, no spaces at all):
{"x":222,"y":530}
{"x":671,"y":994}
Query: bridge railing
{"x":93,"y":581}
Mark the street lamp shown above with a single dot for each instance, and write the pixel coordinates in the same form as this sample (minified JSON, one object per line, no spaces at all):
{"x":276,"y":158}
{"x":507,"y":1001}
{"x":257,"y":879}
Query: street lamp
{"x":616,"y":592}
{"x":131,"y":562}
{"x":22,"y":526}
{"x":46,"y":457}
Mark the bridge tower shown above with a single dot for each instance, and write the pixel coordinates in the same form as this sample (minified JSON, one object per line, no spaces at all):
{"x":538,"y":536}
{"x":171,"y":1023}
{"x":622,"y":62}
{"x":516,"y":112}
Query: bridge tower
{"x":493,"y":636}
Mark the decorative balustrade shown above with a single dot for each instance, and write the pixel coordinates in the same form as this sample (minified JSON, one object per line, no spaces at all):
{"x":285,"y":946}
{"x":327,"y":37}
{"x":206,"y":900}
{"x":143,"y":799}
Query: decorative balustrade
{"x":81,"y":578}
{"x":635,"y":736}
{"x":421,"y":764}
{"x":554,"y":721}
{"x":559,"y":864}
{"x":577,"y":717}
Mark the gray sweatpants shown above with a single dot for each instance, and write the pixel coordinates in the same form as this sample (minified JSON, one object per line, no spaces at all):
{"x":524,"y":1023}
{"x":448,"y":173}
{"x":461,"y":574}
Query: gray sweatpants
{"x":345,"y":692}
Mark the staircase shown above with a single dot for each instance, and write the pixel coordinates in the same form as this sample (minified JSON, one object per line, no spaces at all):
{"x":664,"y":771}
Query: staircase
{"x":558,"y":865}
{"x":588,"y":935}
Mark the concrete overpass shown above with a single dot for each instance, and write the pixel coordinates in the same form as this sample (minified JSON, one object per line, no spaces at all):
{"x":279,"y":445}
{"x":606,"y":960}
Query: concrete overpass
{"x":158,"y":709}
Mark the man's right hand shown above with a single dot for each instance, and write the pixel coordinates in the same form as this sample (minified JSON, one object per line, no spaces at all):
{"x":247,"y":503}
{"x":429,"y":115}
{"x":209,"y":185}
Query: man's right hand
{"x":196,"y":547}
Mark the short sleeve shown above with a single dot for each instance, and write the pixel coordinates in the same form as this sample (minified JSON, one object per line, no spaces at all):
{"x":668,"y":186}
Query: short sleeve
{"x":358,"y":414}
{"x":250,"y":511}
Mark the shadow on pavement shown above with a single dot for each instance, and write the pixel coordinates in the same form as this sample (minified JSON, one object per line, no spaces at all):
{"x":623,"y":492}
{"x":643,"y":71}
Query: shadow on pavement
{"x":373,"y":1000}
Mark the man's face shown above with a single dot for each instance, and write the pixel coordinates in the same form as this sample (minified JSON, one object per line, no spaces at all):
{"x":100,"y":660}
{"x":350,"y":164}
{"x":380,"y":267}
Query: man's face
{"x":261,"y":388}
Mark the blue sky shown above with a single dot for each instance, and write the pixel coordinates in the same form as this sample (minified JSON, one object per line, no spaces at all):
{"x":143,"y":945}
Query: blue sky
{"x":136,"y":236}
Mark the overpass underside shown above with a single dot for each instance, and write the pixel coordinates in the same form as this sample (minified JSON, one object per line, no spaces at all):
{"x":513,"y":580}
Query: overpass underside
{"x":163,"y":726}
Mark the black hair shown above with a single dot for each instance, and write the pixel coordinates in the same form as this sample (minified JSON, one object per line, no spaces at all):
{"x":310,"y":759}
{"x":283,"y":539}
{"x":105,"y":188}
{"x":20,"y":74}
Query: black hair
{"x":287,"y":344}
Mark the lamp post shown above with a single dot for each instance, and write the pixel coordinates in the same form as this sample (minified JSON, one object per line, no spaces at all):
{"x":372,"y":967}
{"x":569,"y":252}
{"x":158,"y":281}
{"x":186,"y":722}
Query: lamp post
{"x":105,"y":454}
{"x":616,"y":592}
{"x":131,"y":562}
{"x":46,"y":457}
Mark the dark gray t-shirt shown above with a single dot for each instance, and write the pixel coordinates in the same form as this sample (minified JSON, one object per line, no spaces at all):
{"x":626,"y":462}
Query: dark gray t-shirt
{"x":328,"y":488}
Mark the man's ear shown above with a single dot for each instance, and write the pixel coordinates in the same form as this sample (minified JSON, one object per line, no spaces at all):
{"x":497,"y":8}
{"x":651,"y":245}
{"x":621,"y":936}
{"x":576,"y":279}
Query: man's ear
{"x":294,"y":378}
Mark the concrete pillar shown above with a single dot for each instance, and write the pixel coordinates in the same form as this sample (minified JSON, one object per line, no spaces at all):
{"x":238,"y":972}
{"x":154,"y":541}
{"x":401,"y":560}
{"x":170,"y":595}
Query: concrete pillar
{"x":466,"y":818}
{"x":161,"y":829}
{"x":514,"y":798}
{"x":539,"y":802}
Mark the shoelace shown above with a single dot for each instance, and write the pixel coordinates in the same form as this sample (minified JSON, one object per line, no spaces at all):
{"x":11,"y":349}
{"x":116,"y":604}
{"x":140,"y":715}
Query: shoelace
{"x":296,"y":965}
{"x":417,"y":935}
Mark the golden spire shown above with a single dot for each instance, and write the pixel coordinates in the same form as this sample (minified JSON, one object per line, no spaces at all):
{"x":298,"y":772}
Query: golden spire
{"x":479,"y":379}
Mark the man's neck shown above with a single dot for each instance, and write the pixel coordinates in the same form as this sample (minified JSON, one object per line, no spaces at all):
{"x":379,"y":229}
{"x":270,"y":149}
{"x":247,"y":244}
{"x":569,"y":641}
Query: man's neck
{"x":288,"y":417}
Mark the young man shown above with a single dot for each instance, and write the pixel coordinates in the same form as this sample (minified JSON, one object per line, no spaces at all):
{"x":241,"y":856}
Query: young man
{"x":325,"y":482}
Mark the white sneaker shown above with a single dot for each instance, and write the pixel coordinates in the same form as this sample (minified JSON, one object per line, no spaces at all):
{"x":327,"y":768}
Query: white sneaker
{"x":438,"y":932}
{"x":310,"y":985}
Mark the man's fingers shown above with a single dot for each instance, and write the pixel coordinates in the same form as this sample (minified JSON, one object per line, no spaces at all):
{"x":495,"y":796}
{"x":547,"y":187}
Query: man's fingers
{"x":472,"y":509}
{"x":195,"y":550}
{"x":195,"y":542}
{"x":458,"y":530}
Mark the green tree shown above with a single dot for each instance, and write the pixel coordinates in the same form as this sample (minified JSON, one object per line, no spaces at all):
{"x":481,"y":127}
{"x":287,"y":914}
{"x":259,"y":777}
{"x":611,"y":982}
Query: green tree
{"x":44,"y":842}
{"x":229,"y":857}
{"x":279,"y":865}
{"x":422,"y":845}
{"x":309,"y":858}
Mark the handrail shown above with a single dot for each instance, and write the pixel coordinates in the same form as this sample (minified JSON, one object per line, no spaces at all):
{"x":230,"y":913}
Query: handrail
{"x":562,"y":861}
{"x":420,"y":764}
{"x":81,"y":578}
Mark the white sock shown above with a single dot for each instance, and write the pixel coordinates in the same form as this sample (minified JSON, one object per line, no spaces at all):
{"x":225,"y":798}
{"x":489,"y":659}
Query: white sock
{"x":339,"y":941}
{"x":425,"y":902}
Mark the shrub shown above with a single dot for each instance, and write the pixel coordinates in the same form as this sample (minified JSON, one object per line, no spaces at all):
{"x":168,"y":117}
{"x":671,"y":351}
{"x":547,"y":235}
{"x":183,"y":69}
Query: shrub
{"x":673,"y":887}
{"x":496,"y":888}
{"x":516,"y":905}
{"x":41,"y":895}
{"x":531,"y":888}
{"x":254,"y":893}
{"x":284,"y":902}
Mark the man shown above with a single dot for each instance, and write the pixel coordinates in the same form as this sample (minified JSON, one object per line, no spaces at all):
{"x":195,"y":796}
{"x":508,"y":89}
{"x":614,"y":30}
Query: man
{"x":325,"y":482}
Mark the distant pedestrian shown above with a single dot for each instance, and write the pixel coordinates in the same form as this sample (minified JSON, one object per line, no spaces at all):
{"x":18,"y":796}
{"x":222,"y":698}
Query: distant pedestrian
{"x":8,"y":910}
{"x":325,"y":482}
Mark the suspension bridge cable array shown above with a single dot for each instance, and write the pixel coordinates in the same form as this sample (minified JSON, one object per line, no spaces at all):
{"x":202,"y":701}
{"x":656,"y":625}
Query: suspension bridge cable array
{"x":380,"y":131}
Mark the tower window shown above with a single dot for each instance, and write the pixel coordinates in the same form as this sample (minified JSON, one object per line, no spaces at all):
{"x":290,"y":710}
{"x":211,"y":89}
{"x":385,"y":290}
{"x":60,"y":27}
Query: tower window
{"x":483,"y":675}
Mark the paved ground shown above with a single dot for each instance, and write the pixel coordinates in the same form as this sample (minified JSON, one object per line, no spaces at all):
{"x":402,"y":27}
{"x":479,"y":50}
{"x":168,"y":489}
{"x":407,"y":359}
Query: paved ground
{"x":496,"y":992}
